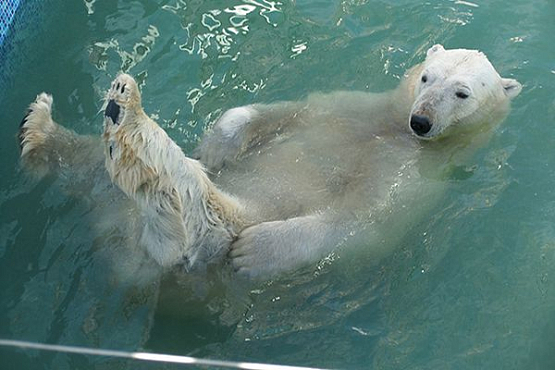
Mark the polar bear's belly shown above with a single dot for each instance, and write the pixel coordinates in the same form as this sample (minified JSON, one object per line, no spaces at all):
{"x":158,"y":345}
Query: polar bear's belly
{"x":320,"y":169}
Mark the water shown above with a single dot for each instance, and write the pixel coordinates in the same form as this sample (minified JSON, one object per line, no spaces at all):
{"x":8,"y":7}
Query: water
{"x":472,"y":287}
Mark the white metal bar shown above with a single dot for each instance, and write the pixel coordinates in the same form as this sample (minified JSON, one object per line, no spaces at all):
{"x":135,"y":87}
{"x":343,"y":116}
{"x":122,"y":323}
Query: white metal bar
{"x":145,"y":356}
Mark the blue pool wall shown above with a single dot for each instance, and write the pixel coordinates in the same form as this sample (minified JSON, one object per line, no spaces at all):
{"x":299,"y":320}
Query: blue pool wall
{"x":7,"y":13}
{"x":20,"y":21}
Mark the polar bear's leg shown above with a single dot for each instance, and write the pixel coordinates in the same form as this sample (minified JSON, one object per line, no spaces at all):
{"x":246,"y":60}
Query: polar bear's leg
{"x":242,"y":128}
{"x":47,"y":146}
{"x":186,"y":217}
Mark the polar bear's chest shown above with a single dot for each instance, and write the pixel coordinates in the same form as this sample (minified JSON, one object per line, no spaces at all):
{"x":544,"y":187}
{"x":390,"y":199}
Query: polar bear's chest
{"x":321,"y":167}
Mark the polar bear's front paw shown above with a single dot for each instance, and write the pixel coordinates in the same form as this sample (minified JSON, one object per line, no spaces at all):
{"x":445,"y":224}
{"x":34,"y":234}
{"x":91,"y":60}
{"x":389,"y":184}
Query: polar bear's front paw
{"x":263,"y":251}
{"x":122,"y":98}
{"x":228,"y":138}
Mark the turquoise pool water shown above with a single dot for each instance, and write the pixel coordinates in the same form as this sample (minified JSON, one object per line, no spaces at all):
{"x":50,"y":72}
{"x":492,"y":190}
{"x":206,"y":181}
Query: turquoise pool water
{"x":472,"y":287}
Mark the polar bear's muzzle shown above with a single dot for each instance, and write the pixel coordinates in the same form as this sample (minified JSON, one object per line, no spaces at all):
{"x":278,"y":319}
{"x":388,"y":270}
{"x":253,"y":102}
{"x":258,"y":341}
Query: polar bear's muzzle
{"x":112,"y":111}
{"x":420,"y":124}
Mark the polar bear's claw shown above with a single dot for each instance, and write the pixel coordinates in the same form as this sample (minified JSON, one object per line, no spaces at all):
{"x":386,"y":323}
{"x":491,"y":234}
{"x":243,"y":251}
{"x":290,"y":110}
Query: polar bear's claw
{"x":22,"y":130}
{"x":29,"y":111}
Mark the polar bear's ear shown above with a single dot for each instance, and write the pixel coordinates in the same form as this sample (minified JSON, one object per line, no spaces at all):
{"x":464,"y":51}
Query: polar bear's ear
{"x":512,"y":87}
{"x":435,"y":49}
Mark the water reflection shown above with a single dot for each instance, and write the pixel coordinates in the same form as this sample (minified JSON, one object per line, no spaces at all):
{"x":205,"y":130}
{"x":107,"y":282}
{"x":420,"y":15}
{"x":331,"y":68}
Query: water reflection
{"x":89,"y":4}
{"x":98,"y":53}
{"x":222,"y":26}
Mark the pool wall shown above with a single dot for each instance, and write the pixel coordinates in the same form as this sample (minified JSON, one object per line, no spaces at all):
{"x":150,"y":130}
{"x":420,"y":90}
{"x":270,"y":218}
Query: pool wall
{"x":7,"y":13}
{"x":20,"y":20}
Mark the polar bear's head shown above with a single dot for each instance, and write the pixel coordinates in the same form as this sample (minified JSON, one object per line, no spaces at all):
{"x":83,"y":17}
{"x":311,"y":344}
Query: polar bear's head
{"x":457,"y":87}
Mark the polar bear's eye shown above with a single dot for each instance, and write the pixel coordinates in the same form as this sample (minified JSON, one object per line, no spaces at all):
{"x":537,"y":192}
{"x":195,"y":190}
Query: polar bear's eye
{"x":424,"y":79}
{"x":461,"y":95}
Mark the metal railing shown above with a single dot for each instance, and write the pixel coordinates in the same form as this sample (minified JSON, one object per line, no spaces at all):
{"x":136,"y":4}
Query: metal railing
{"x":146,"y":356}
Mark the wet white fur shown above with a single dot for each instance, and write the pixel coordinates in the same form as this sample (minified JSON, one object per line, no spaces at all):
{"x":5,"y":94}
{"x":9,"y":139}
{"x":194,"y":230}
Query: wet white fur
{"x":335,"y":169}
{"x":461,"y":70}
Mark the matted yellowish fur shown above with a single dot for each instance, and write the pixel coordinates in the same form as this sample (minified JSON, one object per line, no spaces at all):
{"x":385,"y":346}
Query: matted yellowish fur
{"x":184,"y":209}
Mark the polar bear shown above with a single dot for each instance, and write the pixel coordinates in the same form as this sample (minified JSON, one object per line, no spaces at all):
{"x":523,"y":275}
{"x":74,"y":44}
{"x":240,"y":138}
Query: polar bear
{"x":277,"y":186}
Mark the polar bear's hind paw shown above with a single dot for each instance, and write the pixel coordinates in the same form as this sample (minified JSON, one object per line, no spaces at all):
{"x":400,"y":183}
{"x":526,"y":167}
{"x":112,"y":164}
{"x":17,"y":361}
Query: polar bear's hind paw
{"x":36,"y":124}
{"x":112,"y":111}
{"x":123,"y":96}
{"x":35,"y":132}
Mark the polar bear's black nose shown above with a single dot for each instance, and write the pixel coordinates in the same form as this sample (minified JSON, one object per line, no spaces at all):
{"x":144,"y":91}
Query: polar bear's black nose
{"x":420,"y":124}
{"x":112,"y":111}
